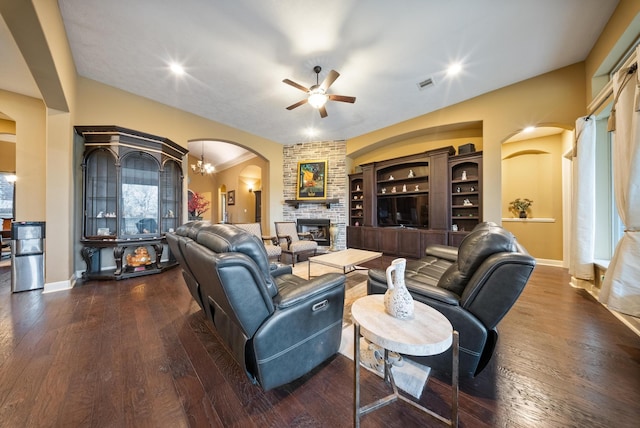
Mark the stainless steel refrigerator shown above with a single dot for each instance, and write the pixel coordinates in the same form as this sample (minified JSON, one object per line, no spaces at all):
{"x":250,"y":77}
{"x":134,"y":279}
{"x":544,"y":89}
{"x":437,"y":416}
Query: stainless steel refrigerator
{"x":27,"y":255}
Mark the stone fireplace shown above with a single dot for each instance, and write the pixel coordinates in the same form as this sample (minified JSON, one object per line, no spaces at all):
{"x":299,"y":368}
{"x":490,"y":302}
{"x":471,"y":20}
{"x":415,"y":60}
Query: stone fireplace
{"x":335,"y":153}
{"x":318,"y":228}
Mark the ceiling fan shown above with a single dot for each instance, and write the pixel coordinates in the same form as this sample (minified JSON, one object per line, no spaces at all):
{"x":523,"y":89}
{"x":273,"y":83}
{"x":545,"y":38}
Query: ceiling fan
{"x":318,"y":96}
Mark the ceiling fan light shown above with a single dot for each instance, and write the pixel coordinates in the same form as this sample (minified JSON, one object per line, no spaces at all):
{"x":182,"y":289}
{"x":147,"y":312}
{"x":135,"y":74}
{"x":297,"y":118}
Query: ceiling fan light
{"x":318,"y":98}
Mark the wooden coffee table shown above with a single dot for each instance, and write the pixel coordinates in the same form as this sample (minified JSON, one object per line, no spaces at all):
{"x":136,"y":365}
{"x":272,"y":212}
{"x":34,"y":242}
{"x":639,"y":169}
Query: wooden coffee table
{"x":427,"y":333}
{"x":347,"y":260}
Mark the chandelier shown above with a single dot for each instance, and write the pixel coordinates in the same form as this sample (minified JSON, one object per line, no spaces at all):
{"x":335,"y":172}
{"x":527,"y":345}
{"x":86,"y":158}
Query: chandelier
{"x":201,"y":166}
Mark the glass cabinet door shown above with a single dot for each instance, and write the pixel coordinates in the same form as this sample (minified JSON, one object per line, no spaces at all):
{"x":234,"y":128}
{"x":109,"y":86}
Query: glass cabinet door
{"x":140,"y":195}
{"x":101,"y":190}
{"x":171,"y":197}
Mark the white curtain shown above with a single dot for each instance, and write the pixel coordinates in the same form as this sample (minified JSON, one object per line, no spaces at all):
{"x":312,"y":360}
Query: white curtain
{"x":621,"y":286}
{"x":583,"y":206}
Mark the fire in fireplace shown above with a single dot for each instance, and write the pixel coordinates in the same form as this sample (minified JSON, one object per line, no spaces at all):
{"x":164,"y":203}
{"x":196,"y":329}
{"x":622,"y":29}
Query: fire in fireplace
{"x":318,"y":228}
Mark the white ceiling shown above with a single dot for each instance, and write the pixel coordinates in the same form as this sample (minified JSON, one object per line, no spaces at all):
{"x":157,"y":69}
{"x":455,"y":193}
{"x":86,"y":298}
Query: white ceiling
{"x":236,"y":54}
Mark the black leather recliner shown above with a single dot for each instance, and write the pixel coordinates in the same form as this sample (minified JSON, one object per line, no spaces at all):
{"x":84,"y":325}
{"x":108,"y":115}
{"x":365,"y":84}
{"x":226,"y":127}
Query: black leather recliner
{"x":474,"y":286}
{"x":277,"y":326}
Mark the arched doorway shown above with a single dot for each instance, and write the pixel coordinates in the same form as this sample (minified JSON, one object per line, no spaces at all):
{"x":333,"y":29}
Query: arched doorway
{"x":238,"y":173}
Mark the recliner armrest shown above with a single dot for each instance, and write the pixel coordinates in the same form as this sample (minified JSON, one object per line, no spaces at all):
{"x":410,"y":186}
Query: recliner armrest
{"x":276,"y":270}
{"x":292,"y":293}
{"x":436,"y":293}
{"x":442,"y":251}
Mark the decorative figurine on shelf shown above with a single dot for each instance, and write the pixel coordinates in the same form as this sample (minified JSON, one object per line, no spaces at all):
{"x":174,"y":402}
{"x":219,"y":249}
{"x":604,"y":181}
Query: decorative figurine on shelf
{"x":404,"y":187}
{"x":357,"y":187}
{"x":411,"y":175}
{"x":458,"y":189}
{"x":357,"y":223}
{"x":170,"y":214}
{"x":384,"y":190}
{"x":391,"y":177}
{"x":140,"y":258}
{"x":417,"y":189}
{"x":472,"y":189}
{"x":100,"y":214}
{"x":454,"y":227}
{"x":464,"y":175}
{"x":466,"y":202}
{"x":393,"y":189}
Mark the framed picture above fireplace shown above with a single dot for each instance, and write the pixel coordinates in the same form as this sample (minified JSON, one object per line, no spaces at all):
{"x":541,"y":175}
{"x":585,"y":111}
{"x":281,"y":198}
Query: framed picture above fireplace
{"x":312,"y":179}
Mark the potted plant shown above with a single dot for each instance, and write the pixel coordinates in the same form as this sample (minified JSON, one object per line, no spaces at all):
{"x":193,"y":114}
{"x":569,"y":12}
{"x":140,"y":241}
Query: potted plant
{"x":520,"y":206}
{"x":198,"y":205}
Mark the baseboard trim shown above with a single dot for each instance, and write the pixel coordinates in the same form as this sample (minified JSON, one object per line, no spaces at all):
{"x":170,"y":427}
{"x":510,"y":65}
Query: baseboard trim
{"x":549,"y":262}
{"x":52,"y":287}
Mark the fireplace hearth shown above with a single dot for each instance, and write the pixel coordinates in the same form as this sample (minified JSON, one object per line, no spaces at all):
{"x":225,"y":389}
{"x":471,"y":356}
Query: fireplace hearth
{"x":318,"y":228}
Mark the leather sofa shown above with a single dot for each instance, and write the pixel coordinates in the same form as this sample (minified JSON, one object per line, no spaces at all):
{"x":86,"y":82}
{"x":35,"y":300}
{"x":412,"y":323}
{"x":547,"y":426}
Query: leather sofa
{"x":473,"y":285}
{"x":276,"y":325}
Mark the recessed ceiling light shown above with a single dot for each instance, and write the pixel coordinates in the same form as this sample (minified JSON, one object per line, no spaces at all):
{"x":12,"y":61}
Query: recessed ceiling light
{"x":176,"y":68}
{"x":311,"y":132}
{"x":529,"y":129}
{"x":454,"y":69}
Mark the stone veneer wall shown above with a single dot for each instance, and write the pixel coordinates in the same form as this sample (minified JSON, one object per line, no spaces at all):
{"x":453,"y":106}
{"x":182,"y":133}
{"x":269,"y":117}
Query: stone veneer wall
{"x":335,"y":153}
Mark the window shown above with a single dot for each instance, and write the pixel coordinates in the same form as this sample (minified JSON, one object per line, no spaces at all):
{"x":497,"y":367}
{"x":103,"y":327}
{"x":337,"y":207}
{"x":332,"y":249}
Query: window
{"x":609,"y":227}
{"x":7,"y":195}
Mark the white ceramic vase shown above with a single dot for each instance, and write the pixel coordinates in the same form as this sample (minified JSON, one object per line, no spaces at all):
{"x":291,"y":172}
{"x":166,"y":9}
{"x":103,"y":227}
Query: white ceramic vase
{"x":397,"y":300}
{"x":333,"y":234}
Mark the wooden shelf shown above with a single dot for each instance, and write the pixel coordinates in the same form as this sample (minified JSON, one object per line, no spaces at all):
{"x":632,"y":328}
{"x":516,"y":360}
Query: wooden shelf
{"x":296,"y":202}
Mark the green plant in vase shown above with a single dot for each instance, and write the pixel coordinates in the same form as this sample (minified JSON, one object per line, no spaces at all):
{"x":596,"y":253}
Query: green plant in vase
{"x":520,"y":206}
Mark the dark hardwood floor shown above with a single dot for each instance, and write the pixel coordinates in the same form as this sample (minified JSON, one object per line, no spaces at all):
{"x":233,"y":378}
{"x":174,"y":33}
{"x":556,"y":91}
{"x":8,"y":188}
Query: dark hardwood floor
{"x":139,"y":353}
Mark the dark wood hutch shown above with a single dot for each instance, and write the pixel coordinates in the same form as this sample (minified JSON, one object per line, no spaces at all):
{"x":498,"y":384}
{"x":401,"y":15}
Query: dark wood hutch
{"x":401,"y":205}
{"x":132,"y":196}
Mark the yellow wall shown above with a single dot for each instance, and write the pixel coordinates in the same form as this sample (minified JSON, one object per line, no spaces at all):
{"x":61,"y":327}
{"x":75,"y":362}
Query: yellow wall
{"x":615,"y":40}
{"x":30,"y":117}
{"x":533,"y":169}
{"x":7,"y":157}
{"x":552,"y":99}
{"x":243,"y":211}
{"x":100,"y":104}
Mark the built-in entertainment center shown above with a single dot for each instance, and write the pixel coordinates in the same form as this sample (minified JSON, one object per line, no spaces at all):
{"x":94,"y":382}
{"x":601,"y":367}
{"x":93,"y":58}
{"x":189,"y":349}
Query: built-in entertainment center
{"x":401,"y":205}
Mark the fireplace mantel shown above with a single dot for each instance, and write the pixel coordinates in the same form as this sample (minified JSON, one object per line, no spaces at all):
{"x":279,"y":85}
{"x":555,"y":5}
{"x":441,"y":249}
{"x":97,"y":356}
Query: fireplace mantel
{"x":296,"y":202}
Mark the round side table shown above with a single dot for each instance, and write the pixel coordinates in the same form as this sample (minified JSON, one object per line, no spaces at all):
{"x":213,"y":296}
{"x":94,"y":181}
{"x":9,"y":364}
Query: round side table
{"x":427,"y":333}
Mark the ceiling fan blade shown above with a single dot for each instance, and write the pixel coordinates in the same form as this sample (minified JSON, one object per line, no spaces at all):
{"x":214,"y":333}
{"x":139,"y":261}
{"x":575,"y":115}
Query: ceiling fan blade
{"x":328,"y":81}
{"x":295,"y":85}
{"x":298,"y":104}
{"x":342,"y":98}
{"x":323,"y":112}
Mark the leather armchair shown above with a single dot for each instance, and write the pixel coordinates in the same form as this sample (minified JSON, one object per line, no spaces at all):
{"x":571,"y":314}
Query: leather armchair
{"x":277,"y":326}
{"x":473,"y":286}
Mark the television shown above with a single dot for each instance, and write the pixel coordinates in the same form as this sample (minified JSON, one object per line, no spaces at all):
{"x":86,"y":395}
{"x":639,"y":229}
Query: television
{"x":403,"y":210}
